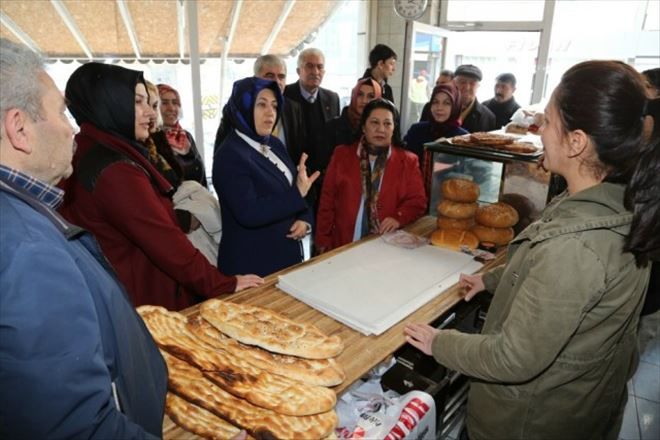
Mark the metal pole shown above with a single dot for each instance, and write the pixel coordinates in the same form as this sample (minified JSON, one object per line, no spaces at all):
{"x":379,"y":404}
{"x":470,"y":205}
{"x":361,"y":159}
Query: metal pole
{"x":191,"y":13}
{"x":540,"y":76}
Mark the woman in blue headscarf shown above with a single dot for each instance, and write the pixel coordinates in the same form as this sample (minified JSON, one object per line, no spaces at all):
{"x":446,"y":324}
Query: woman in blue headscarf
{"x":261,"y":193}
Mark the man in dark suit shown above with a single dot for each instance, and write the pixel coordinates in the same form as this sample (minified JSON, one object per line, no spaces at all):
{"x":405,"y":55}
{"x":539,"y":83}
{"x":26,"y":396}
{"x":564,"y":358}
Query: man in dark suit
{"x":503,"y":104}
{"x":475,"y":116}
{"x":319,"y":105}
{"x":290,"y":127}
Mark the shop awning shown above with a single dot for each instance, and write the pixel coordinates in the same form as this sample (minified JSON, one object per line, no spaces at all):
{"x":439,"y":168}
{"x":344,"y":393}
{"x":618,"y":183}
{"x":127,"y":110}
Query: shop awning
{"x":157,"y":29}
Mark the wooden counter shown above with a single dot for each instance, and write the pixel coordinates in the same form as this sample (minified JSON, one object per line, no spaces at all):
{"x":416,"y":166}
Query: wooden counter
{"x":361,"y":352}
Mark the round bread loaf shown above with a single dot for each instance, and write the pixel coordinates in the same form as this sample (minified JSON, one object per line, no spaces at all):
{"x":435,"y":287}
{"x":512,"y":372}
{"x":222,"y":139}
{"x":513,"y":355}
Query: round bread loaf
{"x":454,"y":239}
{"x":451,"y":209}
{"x":463,"y":224}
{"x":499,"y":236}
{"x":460,"y":190}
{"x":497,"y":215}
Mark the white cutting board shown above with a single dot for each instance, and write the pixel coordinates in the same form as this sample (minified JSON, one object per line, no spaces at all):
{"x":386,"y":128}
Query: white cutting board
{"x":374,"y":285}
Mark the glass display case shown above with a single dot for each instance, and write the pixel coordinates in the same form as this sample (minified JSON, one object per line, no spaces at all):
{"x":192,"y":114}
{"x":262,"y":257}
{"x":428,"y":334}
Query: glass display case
{"x":501,"y":175}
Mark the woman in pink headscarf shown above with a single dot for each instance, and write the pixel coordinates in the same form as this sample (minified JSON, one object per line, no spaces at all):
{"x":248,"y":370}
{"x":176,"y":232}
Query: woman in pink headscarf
{"x":345,"y":129}
{"x":179,"y":140}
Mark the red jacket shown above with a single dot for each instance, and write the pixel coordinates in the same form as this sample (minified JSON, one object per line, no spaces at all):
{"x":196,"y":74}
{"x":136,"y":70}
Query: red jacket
{"x":401,"y":197}
{"x":126,"y":206}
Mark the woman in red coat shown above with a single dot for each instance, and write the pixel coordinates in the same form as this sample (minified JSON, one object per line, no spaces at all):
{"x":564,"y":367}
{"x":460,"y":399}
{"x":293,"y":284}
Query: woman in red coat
{"x":116,"y":193}
{"x":372,"y":186}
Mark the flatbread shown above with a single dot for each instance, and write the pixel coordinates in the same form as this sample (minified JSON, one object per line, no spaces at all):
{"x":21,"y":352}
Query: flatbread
{"x":323,"y":372}
{"x":270,"y":330}
{"x":232,"y":373}
{"x":490,"y":139}
{"x":463,"y":139}
{"x":189,"y":383}
{"x":521,"y":147}
{"x":197,"y":420}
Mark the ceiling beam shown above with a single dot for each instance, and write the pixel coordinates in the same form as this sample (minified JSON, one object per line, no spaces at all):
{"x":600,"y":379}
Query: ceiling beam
{"x":235,"y":14}
{"x":288,"y":6}
{"x":128,"y":23}
{"x":181,"y":27}
{"x":71,"y":24}
{"x":18,"y":32}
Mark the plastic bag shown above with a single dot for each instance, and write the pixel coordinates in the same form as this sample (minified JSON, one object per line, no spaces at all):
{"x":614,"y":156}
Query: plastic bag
{"x":404,"y":239}
{"x":529,"y":119}
{"x":367,"y":413}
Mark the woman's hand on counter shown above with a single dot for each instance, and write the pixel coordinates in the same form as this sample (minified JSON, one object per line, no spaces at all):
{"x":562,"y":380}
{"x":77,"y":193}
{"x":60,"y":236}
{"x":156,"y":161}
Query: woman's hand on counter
{"x":388,"y":225}
{"x":421,"y":336}
{"x":303,"y":181}
{"x":247,"y":281}
{"x":471,"y":285}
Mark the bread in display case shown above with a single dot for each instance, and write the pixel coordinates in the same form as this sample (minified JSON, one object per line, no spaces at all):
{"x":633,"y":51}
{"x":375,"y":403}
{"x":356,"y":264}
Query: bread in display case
{"x":502,"y":175}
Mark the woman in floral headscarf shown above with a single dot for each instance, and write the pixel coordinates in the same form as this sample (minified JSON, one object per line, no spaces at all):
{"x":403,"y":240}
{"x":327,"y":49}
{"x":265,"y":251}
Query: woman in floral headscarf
{"x":180,"y":141}
{"x":261,"y":192}
{"x":445,"y":122}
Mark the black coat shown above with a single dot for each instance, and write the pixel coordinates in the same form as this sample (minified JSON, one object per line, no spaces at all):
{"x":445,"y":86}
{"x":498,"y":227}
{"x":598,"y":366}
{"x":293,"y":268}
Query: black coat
{"x":502,"y":111}
{"x":329,"y":99}
{"x":387,"y":90}
{"x":338,"y":131}
{"x":426,"y":113}
{"x":479,"y":119}
{"x":313,"y":143}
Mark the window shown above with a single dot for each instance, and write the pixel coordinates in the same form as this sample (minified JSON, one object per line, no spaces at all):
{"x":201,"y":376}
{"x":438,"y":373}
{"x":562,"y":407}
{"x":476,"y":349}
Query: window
{"x":341,"y":39}
{"x":495,"y":10}
{"x":495,"y":53}
{"x":614,"y":30}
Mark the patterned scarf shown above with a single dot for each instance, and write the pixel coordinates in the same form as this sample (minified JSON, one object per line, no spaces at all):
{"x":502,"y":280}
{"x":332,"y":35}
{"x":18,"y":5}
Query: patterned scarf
{"x":177,"y":137}
{"x":371,"y":185}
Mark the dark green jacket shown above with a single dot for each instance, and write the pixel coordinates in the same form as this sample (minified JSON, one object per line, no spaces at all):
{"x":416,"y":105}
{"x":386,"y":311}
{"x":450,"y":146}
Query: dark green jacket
{"x":558,"y":345}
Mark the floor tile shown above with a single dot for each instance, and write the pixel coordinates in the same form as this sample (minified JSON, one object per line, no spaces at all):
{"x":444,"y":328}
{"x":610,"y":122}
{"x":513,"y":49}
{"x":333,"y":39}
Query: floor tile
{"x":456,"y":430}
{"x":630,"y":427}
{"x":652,"y":352}
{"x":647,"y":381}
{"x":648,"y":415}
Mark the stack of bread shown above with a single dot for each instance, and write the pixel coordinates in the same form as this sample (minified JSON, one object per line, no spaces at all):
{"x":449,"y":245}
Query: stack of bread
{"x":495,"y":223}
{"x":456,"y":213}
{"x":236,"y":367}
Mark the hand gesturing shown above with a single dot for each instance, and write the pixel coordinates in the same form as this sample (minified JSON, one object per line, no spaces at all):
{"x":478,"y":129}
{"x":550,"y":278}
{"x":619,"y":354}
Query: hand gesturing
{"x":303,"y":181}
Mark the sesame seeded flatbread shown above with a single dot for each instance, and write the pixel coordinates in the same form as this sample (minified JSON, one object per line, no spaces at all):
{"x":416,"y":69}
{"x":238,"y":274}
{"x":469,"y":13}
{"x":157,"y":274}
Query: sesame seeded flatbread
{"x":267,"y":329}
{"x":232,"y":373}
{"x":323,"y":372}
{"x":189,"y":383}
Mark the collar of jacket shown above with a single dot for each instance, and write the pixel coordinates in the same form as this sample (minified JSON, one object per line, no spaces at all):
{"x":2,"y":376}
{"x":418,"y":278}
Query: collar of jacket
{"x":367,"y":74}
{"x":566,"y":214}
{"x":67,"y":229}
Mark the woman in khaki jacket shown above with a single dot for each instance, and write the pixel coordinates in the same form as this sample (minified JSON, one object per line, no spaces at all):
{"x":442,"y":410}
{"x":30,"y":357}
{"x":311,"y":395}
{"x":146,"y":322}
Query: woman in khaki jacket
{"x":559,"y":342}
